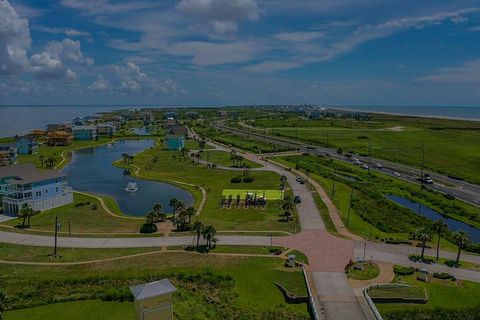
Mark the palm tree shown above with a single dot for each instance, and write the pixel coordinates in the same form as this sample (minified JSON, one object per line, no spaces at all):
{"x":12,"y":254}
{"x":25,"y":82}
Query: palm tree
{"x":198,"y":156}
{"x":24,"y":213}
{"x":173,"y":203}
{"x":157,"y":209}
{"x":3,"y":302}
{"x":461,"y":239}
{"x":150,"y":217}
{"x":190,"y":212}
{"x":209,"y":234}
{"x":287,"y":207}
{"x":233,"y":158}
{"x":423,"y":234}
{"x":283,"y":179}
{"x":198,"y":228}
{"x":439,"y":227}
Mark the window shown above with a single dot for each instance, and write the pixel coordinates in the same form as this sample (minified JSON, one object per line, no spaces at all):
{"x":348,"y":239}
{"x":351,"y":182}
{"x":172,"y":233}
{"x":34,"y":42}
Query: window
{"x":38,"y":193}
{"x":56,"y":189}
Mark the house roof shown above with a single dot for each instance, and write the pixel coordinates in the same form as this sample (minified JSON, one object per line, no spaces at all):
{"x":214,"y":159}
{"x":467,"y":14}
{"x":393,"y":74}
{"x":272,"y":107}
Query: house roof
{"x":28,"y":173}
{"x":152,"y":289}
{"x":105,"y":125}
{"x":88,"y":127}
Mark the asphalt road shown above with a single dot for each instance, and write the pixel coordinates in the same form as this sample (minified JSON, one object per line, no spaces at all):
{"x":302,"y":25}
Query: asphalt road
{"x":461,"y":190}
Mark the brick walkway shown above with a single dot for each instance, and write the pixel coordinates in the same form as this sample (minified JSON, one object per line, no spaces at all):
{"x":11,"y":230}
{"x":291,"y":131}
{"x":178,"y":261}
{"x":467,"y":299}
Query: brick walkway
{"x":325,"y":252}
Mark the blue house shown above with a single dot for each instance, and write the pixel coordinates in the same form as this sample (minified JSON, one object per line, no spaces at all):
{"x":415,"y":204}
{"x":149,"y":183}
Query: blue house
{"x":40,"y":189}
{"x":85,"y":133}
{"x":175,"y":142}
{"x":26,"y":145}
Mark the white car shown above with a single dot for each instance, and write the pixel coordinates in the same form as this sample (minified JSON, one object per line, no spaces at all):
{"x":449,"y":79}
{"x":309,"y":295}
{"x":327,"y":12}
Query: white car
{"x":357,"y":162}
{"x":298,"y":179}
{"x":396,"y":174}
{"x":378,"y":165}
{"x":365,"y":167}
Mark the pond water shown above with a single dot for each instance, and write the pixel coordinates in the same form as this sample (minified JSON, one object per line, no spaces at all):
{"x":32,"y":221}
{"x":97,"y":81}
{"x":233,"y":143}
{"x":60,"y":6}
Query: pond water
{"x":91,"y":170}
{"x":143,"y":131}
{"x":453,"y":225}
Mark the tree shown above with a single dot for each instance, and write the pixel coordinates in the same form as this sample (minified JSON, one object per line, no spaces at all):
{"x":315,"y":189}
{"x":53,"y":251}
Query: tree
{"x":198,"y":156}
{"x":24,"y":213}
{"x":157,"y":209}
{"x":190,"y":212}
{"x":233,"y":158}
{"x":42,"y":159}
{"x":3,"y":303}
{"x":173,"y":203}
{"x":461,"y":239}
{"x":439,"y":227}
{"x":423,"y":234}
{"x":150,"y":217}
{"x":287,"y":207}
{"x":340,"y":151}
{"x":209,"y":234}
{"x":283,"y":179}
{"x":198,"y":228}
{"x":202,"y":144}
{"x":307,"y":172}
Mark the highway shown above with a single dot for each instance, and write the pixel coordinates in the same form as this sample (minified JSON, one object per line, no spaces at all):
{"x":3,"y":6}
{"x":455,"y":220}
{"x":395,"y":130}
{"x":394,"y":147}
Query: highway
{"x":461,"y":190}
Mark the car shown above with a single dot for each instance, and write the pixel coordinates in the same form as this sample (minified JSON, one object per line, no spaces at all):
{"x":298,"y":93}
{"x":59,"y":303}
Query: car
{"x":365,"y":166}
{"x":357,"y":162}
{"x":298,"y":178}
{"x":396,"y":174}
{"x":297,"y":199}
{"x":378,"y":165}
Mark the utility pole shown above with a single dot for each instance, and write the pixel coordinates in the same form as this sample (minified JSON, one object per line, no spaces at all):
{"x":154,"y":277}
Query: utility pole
{"x":69,"y":230}
{"x":422,"y":167}
{"x":349,"y":207}
{"x":56,"y":234}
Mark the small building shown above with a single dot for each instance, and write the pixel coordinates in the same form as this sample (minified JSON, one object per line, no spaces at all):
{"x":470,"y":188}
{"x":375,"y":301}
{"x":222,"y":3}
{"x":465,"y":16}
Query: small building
{"x":40,"y":189}
{"x":27,"y":145}
{"x":175,"y":142}
{"x":78,"y":121}
{"x":8,"y":153}
{"x":105,"y":129}
{"x":59,"y":138}
{"x":154,"y":301}
{"x":170,"y":114}
{"x":170,"y":122}
{"x":85,"y":133}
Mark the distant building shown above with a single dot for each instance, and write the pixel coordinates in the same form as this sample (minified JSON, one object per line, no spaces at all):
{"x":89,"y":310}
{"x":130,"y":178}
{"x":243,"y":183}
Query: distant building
{"x":192,"y":115}
{"x":170,"y":122}
{"x":8,"y":153}
{"x":85,"y":133}
{"x":148,"y":118}
{"x":175,"y":142}
{"x":37,"y":133}
{"x":154,"y":301}
{"x":105,"y":129}
{"x":77,"y":121}
{"x":222,"y":113}
{"x":40,"y":189}
{"x":170,"y":114}
{"x":27,"y":145}
{"x":59,"y":138}
{"x":176,"y":130}
{"x":56,"y":127}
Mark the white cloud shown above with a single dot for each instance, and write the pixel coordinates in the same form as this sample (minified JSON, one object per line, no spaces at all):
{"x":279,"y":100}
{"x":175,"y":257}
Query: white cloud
{"x":101,"y":84}
{"x":468,"y":73}
{"x":14,"y":40}
{"x":271,"y":66}
{"x":134,"y":81}
{"x":298,"y":36}
{"x":105,"y":7}
{"x":66,"y":31}
{"x":208,"y":53}
{"x":68,"y":50}
{"x":222,"y":16}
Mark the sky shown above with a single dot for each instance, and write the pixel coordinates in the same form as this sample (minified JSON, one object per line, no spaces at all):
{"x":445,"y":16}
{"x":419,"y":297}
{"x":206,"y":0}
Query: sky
{"x":240,"y":52}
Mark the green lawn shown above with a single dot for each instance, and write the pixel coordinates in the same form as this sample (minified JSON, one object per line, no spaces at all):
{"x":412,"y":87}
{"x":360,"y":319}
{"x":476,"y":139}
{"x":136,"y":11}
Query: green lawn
{"x":172,"y":165}
{"x":269,"y":194}
{"x":223,"y":158}
{"x":370,"y":271}
{"x":401,"y":292}
{"x":299,"y":256}
{"x":82,"y":219}
{"x":79,"y":310}
{"x":441,"y":294}
{"x":211,"y":287}
{"x":394,"y":138}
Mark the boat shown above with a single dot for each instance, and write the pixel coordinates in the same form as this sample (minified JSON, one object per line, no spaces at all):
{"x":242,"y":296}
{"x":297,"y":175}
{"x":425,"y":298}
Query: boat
{"x":131,"y":187}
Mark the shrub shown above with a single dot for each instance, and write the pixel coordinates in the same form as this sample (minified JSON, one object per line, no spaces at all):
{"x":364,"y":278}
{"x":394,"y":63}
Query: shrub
{"x":248,"y":179}
{"x":275,"y":251}
{"x":443,"y":276}
{"x":148,"y":228}
{"x":403,"y":271}
{"x":236,"y":179}
{"x":451,"y":263}
{"x":94,"y":206}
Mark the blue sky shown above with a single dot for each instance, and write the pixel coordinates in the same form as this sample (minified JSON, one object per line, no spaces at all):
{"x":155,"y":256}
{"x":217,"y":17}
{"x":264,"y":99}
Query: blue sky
{"x":216,"y":52}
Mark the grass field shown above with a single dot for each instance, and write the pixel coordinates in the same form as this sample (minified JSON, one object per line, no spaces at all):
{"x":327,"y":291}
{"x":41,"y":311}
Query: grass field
{"x":214,"y":181}
{"x":269,"y":194}
{"x":393,"y":138}
{"x":223,"y":158}
{"x":441,"y":293}
{"x":211,"y":287}
{"x":82,"y":219}
{"x":370,"y":271}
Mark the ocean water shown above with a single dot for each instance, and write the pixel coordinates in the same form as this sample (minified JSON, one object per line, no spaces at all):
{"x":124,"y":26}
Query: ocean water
{"x":21,"y":119}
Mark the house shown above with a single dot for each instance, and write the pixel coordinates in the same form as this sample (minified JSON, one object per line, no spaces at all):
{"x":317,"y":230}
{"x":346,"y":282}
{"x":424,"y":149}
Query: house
{"x":8,"y":153}
{"x":27,"y":145}
{"x":175,"y":142}
{"x":171,"y":122}
{"x":38,"y":133}
{"x":77,"y":121}
{"x":56,"y":127}
{"x":85,"y":133}
{"x":105,"y":129}
{"x":40,"y":189}
{"x":154,"y":301}
{"x":59,"y":138}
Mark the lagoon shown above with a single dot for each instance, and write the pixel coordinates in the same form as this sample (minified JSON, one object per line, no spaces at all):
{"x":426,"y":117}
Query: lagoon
{"x":453,"y":225}
{"x":91,"y":170}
